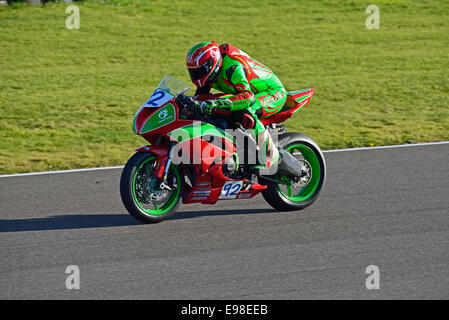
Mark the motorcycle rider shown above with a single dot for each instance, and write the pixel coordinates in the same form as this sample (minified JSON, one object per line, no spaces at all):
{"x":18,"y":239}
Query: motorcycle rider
{"x":249,"y":86}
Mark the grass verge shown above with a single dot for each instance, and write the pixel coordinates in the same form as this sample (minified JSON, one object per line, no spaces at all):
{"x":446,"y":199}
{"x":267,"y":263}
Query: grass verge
{"x":68,"y":97}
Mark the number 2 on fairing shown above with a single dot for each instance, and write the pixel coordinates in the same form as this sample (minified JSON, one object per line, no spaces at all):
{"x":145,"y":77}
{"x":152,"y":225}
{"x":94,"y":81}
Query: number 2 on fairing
{"x":158,"y":98}
{"x":230,"y":189}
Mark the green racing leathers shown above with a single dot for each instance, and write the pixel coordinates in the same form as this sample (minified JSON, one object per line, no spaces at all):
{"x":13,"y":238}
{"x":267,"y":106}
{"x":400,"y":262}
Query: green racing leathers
{"x":251,"y":86}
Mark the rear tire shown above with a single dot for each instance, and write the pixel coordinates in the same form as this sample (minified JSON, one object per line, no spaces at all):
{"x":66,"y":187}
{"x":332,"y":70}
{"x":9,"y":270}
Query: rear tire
{"x":129,"y":190}
{"x":308,"y":194}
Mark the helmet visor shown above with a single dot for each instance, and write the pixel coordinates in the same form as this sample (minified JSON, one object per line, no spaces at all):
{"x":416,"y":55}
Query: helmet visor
{"x":201,"y":71}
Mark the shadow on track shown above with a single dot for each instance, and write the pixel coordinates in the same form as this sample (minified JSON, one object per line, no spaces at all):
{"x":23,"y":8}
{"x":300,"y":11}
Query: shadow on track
{"x":82,"y":221}
{"x":197,"y":214}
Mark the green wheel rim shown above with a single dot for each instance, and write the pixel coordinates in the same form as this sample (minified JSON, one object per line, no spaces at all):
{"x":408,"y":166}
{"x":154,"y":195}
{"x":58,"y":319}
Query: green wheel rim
{"x":307,"y":191}
{"x":168,"y":205}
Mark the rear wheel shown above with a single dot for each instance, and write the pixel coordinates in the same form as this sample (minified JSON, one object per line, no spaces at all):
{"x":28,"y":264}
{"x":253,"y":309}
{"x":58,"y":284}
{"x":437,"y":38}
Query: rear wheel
{"x":287,"y":193}
{"x":141,"y":193}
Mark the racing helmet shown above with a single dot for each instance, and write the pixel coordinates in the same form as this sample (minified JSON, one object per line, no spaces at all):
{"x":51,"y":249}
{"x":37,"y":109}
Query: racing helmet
{"x":203,"y":62}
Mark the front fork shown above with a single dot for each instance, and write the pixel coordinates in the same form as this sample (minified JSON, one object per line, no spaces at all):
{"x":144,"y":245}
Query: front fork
{"x":163,"y":185}
{"x":163,"y":159}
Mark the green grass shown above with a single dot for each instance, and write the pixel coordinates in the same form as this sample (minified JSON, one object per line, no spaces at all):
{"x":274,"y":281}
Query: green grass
{"x":68,"y":97}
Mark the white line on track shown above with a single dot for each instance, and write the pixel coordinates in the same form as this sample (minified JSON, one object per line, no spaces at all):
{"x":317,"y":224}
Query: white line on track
{"x":60,"y":171}
{"x":325,"y":151}
{"x":390,"y":147}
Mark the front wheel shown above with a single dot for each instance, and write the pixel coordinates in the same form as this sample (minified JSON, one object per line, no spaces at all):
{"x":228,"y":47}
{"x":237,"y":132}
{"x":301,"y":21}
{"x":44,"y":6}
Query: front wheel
{"x":286,"y":193}
{"x":141,"y":193}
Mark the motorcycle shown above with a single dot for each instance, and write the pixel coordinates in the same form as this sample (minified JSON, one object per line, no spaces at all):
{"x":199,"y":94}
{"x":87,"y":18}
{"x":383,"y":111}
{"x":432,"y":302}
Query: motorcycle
{"x":192,"y":158}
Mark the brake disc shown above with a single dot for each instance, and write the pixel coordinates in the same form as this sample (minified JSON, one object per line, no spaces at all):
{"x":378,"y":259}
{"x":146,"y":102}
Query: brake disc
{"x":155,"y":194}
{"x":301,"y":182}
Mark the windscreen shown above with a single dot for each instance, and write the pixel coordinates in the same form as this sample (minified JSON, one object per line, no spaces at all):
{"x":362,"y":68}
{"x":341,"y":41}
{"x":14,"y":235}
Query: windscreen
{"x":173,"y":86}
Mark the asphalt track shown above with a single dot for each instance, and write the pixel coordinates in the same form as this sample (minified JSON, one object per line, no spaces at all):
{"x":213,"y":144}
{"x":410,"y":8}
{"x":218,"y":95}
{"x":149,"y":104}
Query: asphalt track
{"x":383,"y":207}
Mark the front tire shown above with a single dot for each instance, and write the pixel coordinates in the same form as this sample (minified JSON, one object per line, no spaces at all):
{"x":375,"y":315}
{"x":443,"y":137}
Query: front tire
{"x":138,"y":187}
{"x":288,"y":200}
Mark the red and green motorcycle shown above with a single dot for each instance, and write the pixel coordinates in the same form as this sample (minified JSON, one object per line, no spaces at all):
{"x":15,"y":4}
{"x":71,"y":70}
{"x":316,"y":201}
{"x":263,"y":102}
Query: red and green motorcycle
{"x":195,"y":158}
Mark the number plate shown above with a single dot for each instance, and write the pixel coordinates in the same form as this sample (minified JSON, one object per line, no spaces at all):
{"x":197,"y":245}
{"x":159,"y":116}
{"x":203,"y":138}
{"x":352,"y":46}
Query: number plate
{"x":230,"y":189}
{"x":158,"y":98}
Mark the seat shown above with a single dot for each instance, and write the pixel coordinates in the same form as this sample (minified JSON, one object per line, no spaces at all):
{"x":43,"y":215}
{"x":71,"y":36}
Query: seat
{"x":295,"y":101}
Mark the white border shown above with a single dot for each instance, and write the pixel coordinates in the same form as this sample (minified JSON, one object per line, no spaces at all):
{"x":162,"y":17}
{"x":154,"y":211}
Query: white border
{"x":324,"y":151}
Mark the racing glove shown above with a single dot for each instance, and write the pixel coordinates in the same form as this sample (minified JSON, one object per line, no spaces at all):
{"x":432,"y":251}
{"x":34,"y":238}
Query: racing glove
{"x":209,"y":106}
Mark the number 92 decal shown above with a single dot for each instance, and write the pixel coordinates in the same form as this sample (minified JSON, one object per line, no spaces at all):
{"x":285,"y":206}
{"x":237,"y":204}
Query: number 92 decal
{"x":230,"y":189}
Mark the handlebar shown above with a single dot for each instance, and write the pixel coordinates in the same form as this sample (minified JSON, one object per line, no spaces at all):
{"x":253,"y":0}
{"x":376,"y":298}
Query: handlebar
{"x":186,"y":102}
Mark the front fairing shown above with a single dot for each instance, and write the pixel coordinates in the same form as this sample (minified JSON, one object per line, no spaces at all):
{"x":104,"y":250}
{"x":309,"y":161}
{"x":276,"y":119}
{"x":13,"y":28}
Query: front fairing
{"x":151,"y":119}
{"x":160,"y":109}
